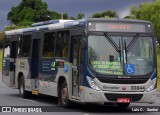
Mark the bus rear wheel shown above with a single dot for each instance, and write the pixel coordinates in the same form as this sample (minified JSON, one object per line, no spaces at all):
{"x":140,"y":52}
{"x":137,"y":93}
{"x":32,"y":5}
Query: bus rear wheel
{"x":64,"y":97}
{"x":122,"y":105}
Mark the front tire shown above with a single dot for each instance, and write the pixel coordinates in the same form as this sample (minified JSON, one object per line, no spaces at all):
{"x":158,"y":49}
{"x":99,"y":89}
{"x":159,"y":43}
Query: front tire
{"x":64,"y":97}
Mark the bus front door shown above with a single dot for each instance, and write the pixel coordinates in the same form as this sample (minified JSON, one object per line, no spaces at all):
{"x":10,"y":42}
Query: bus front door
{"x":9,"y":58}
{"x":75,"y":59}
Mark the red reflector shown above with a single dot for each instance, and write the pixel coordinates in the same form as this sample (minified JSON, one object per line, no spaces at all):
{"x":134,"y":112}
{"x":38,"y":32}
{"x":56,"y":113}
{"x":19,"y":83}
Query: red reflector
{"x":123,"y":100}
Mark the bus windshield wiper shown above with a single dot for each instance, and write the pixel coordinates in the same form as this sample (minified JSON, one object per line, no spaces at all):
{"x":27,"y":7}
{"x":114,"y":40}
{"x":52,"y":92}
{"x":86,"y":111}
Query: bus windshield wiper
{"x":125,"y":47}
{"x":115,"y":46}
{"x":132,"y":42}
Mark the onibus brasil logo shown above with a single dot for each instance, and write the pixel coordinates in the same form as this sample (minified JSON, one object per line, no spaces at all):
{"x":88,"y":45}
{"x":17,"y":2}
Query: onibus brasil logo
{"x":53,"y":64}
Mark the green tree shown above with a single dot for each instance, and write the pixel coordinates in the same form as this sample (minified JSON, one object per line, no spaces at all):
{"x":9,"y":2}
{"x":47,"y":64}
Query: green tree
{"x":65,"y":16}
{"x":80,"y":16}
{"x":54,"y":15}
{"x":29,"y":11}
{"x":105,"y":14}
{"x":149,"y":11}
{"x":129,"y":17}
{"x":96,"y":15}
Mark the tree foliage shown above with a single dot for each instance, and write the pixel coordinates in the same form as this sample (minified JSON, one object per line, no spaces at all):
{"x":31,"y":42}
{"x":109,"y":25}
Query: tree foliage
{"x":77,"y":17}
{"x":65,"y":16}
{"x":29,"y":11}
{"x":80,"y":16}
{"x":105,"y":14}
{"x":149,"y":11}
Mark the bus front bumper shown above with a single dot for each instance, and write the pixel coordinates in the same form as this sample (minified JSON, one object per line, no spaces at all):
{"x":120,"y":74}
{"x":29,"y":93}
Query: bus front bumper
{"x":93,"y":96}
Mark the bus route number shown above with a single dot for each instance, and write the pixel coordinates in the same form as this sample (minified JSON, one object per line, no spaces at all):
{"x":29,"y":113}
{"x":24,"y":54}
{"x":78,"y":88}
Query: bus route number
{"x":137,"y":88}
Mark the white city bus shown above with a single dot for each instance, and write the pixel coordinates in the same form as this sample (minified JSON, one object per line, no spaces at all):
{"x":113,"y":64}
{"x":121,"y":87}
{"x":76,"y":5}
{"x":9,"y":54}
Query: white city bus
{"x":85,"y":61}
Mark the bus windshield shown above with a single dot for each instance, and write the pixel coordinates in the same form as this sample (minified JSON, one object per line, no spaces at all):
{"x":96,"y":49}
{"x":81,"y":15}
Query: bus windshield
{"x":120,"y":55}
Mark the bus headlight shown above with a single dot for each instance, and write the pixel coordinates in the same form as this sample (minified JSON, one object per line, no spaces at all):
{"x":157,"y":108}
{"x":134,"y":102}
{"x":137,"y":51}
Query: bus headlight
{"x":151,"y":85}
{"x":93,"y":84}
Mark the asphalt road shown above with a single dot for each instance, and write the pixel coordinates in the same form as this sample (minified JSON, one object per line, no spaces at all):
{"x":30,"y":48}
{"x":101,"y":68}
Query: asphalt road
{"x":10,"y":97}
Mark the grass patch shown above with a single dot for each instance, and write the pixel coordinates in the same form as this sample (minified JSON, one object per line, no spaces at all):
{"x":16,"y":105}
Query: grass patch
{"x":1,"y":55}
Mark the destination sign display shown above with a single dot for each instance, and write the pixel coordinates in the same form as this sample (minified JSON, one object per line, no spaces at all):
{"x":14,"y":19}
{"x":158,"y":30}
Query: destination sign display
{"x":119,"y":27}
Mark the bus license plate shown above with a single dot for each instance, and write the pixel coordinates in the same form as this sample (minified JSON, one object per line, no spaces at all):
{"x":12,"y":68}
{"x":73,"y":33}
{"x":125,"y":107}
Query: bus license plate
{"x":123,"y":100}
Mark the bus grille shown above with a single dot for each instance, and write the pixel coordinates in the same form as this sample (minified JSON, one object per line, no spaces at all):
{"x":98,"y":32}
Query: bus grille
{"x":122,"y":81}
{"x":114,"y":97}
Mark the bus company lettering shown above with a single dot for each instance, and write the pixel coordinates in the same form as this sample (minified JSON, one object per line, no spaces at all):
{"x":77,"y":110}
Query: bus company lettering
{"x":22,"y":65}
{"x":125,"y":27}
{"x":110,"y":87}
{"x":46,"y":65}
{"x":26,"y":109}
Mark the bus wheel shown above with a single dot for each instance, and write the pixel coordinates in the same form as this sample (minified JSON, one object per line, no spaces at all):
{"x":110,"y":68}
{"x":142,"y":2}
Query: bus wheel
{"x":64,"y":98}
{"x":22,"y":92}
{"x":122,"y":105}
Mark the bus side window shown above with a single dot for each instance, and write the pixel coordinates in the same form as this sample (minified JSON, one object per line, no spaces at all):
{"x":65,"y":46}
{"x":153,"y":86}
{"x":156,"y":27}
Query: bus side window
{"x":7,"y":49}
{"x":19,"y":46}
{"x":75,"y":54}
{"x":14,"y":49}
{"x":62,"y":44}
{"x":49,"y":43}
{"x":26,"y":46}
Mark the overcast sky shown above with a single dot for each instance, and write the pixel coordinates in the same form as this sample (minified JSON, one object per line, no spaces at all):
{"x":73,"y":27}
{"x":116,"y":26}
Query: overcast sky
{"x":73,"y":7}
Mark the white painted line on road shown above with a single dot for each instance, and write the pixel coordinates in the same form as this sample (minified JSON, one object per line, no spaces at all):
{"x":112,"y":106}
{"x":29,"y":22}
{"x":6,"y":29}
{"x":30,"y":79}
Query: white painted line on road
{"x":29,"y":100}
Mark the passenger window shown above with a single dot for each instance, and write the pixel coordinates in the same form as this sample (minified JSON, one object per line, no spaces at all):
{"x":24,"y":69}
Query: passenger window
{"x":19,"y":46}
{"x":49,"y":43}
{"x":7,"y":50}
{"x":26,"y":46}
{"x":62,"y":44}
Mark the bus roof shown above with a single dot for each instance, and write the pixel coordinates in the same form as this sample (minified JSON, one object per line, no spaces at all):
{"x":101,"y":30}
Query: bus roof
{"x":60,"y":24}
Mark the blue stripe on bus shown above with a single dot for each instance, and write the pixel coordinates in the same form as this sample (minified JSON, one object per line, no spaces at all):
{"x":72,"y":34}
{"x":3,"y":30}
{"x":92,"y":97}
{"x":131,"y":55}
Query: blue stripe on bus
{"x":45,"y":27}
{"x":74,"y":23}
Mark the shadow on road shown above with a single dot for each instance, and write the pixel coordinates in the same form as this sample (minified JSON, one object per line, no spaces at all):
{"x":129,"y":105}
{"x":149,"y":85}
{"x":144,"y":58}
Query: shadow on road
{"x":95,"y":108}
{"x":91,"y":108}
